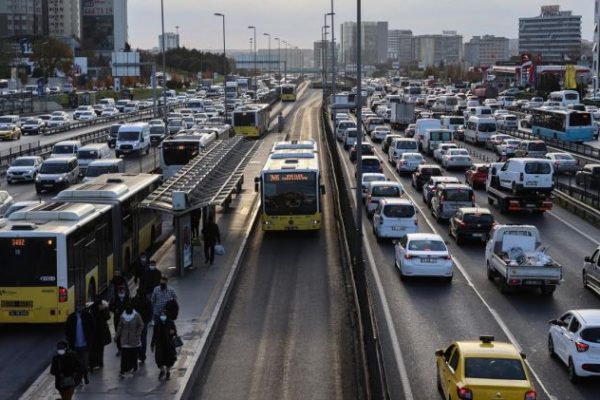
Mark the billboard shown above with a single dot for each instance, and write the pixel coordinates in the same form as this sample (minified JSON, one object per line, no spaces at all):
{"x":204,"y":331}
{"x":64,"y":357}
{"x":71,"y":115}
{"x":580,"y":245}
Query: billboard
{"x":80,"y":66}
{"x":125,"y":64}
{"x":98,"y":25}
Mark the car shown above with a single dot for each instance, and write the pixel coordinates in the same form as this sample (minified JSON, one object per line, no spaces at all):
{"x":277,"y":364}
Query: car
{"x":526,"y":122}
{"x":456,"y":158}
{"x":367,"y":178}
{"x":564,"y":163}
{"x":57,"y":174}
{"x":591,"y":271}
{"x":385,"y":145}
{"x":370,"y":164}
{"x":588,"y":176}
{"x":59,"y":121}
{"x":531,"y":149}
{"x":574,"y":339}
{"x":98,"y":108}
{"x":87,"y":116}
{"x":24,"y":168}
{"x":81,"y":109}
{"x":423,"y":254}
{"x":349,"y":138}
{"x":409,"y":162}
{"x":10,"y":132}
{"x":378,"y":190}
{"x":174,"y":126}
{"x":476,"y":175}
{"x":483,"y":369}
{"x":367,"y":150}
{"x":410,"y":130}
{"x":110,"y":111}
{"x":379,"y":134}
{"x":507,"y":121}
{"x":473,"y":223}
{"x":495,"y":140}
{"x":6,"y":201}
{"x":19,"y":205}
{"x":423,"y":173}
{"x":430,"y":187}
{"x":448,"y":198}
{"x":398,"y":146}
{"x":394,"y":218}
{"x":33,"y":126}
{"x":443,"y":149}
{"x":508,"y":147}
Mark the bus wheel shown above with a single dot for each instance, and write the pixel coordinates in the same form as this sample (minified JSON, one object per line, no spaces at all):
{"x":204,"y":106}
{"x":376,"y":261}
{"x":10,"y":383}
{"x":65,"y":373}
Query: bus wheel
{"x":91,"y":291}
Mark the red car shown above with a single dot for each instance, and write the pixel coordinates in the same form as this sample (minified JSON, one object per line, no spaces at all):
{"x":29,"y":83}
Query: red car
{"x":367,"y":150}
{"x":477,"y":175}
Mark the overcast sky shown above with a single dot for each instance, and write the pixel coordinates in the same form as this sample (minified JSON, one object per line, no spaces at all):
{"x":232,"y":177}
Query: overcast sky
{"x":299,"y":21}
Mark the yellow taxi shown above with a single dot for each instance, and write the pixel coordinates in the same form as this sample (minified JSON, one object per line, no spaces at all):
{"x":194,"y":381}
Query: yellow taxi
{"x":10,"y":132}
{"x":484,"y":369}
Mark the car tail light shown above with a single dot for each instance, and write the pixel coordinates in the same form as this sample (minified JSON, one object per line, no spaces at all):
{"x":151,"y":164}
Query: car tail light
{"x":581,"y":347}
{"x":63,"y":295}
{"x":462,"y":225}
{"x":447,"y":257}
{"x":531,"y":395}
{"x":464,"y":393}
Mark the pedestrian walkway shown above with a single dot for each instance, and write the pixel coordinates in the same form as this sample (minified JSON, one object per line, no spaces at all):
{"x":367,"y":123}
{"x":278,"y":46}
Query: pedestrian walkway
{"x":200,"y":294}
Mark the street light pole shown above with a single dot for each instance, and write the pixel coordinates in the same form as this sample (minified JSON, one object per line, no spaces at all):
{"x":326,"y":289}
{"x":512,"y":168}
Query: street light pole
{"x":224,"y":58}
{"x":278,"y":56}
{"x":269,"y":64}
{"x":285,"y":62}
{"x":164,"y":60}
{"x":358,"y":126}
{"x":333,"y":54}
{"x":255,"y":66}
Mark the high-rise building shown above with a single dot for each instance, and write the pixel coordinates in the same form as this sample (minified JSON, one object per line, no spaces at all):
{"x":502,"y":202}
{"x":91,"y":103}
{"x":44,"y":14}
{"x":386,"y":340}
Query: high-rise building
{"x":596,"y":45}
{"x":486,"y":50}
{"x":554,"y":35}
{"x":435,"y":50}
{"x":21,"y":18}
{"x":400,"y":42}
{"x":374,"y":42}
{"x":104,"y":25}
{"x":63,"y":19}
{"x":171,"y":41}
{"x":318,"y":54}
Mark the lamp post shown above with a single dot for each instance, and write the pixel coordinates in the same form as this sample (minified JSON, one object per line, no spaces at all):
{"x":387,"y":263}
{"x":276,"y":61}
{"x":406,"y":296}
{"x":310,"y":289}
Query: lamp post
{"x":324,"y":60}
{"x":269,"y":35}
{"x":333,"y":53}
{"x":224,"y":57}
{"x":164,"y":59}
{"x":254,"y":29}
{"x":358,"y":126}
{"x":326,"y":44}
{"x":278,"y":56}
{"x":285,"y":62}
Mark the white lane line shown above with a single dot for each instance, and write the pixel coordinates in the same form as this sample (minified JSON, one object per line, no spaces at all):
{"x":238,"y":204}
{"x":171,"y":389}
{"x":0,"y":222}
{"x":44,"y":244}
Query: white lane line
{"x":467,"y":277}
{"x":400,"y":364}
{"x":582,"y":233}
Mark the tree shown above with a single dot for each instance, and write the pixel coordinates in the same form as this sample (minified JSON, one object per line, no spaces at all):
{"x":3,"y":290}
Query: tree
{"x":52,"y":55}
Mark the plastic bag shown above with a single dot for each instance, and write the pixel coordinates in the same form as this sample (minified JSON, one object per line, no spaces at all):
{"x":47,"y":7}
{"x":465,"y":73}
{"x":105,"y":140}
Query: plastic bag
{"x":219,"y":250}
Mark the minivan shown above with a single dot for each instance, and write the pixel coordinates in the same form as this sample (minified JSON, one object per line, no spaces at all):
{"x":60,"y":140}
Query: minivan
{"x":104,"y":166}
{"x":479,"y":129}
{"x":370,"y":164}
{"x":379,"y":190}
{"x":56,"y":174}
{"x":133,"y":138}
{"x":90,"y":152}
{"x":66,"y":148}
{"x":394,"y":218}
{"x":449,"y":197}
{"x":532,"y":149}
{"x":400,"y":146}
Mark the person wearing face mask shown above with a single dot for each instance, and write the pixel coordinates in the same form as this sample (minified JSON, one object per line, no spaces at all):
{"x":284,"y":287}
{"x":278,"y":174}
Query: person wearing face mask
{"x":163,"y":346}
{"x":161,"y":295}
{"x":116,"y":282}
{"x":100,"y":316}
{"x":66,"y":370}
{"x":129,"y":335}
{"x":117,"y":306}
{"x":143,"y":306}
{"x":149,"y":279}
{"x":140,"y":266}
{"x":80,"y":336}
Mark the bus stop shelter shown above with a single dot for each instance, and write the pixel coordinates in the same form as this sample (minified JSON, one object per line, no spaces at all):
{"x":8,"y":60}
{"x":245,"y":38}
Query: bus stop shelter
{"x":207,"y":181}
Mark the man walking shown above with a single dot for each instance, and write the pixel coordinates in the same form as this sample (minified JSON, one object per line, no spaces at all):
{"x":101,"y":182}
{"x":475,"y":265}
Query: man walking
{"x":161,"y":295}
{"x":149,"y":279}
{"x":80,"y":336}
{"x":212,"y":236}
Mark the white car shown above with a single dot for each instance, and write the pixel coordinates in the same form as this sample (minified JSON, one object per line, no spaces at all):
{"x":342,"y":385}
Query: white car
{"x":87,"y":116}
{"x":81,"y":109}
{"x":369,"y":177}
{"x":379,"y":134}
{"x":24,"y":169}
{"x":409,"y":162}
{"x":6,"y":201}
{"x":508,"y":146}
{"x":457,"y":158}
{"x":58,"y":121}
{"x":443,"y":149}
{"x":527,"y":174}
{"x":423,"y":254}
{"x":395,"y":218}
{"x":379,"y":190}
{"x":574,"y":338}
{"x":109,"y":112}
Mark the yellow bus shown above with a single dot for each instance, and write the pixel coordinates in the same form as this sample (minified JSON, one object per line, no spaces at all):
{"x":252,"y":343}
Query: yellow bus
{"x":252,"y":120}
{"x":288,"y":92}
{"x":54,"y":256}
{"x":290,"y":190}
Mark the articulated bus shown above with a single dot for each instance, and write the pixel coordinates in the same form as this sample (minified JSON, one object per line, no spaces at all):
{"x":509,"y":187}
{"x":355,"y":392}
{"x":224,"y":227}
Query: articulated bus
{"x":179,"y":149}
{"x":565,"y":125}
{"x":251,"y":121}
{"x":290,"y":190}
{"x":54,"y":256}
{"x":288,"y":92}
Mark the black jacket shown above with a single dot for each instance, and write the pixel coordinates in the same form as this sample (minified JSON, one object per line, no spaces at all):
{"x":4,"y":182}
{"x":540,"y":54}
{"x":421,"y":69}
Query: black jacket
{"x":88,"y":328}
{"x":149,"y":280}
{"x":142,"y":305}
{"x":100,"y":316}
{"x":65,"y":366}
{"x":162,"y":343}
{"x":211,"y":233}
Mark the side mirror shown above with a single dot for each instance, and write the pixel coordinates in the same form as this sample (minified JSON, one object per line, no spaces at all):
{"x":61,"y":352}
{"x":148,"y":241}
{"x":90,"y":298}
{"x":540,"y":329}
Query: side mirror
{"x":523,"y":356}
{"x":587,"y":259}
{"x":439,"y":353}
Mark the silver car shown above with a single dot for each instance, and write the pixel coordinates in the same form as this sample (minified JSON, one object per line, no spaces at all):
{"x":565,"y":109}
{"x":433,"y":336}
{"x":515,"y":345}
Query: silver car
{"x":409,"y":162}
{"x":564,"y":163}
{"x":24,"y":169}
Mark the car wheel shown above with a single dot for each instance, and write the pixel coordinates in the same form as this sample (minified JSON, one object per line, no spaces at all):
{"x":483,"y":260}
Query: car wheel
{"x":551,"y":347}
{"x":573,"y":377}
{"x":491,"y":274}
{"x":402,"y":276}
{"x":584,"y":279}
{"x":448,"y":279}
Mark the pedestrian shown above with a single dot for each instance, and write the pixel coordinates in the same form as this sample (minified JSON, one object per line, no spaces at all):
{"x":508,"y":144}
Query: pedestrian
{"x":143,"y":306}
{"x":195,"y":217}
{"x":117,"y":306}
{"x":100,"y":316}
{"x":150,"y":279}
{"x":163,"y":346}
{"x":66,"y":370}
{"x":129,"y":335}
{"x":115,"y":283}
{"x":140,"y":266}
{"x":80,"y":336}
{"x":161,"y":295}
{"x":212,"y":236}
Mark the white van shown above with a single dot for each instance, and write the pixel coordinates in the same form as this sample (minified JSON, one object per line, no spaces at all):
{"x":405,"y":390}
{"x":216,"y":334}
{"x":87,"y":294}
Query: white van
{"x":349,"y":138}
{"x":66,"y":148}
{"x":445,"y":104}
{"x":107,"y":102}
{"x":452,"y":122}
{"x":479,"y":129}
{"x":483,"y":111}
{"x":133,"y":138}
{"x":400,"y":146}
{"x":433,"y":138}
{"x":394,"y":218}
{"x":104,"y":166}
{"x":423,"y":124}
{"x":527,"y":174}
{"x":90,"y":152}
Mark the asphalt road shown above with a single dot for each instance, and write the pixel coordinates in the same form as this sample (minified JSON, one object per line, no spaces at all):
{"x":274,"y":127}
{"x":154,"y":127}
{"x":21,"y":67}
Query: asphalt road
{"x":424,"y":315}
{"x":287,"y":332}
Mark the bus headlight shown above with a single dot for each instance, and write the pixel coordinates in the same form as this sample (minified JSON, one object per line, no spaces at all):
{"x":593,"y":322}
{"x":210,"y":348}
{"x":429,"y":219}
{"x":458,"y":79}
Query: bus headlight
{"x":316,"y":221}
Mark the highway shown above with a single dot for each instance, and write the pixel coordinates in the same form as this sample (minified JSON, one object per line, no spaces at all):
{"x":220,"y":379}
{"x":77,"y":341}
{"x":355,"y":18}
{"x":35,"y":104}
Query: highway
{"x":287,"y":332}
{"x":423,"y":315}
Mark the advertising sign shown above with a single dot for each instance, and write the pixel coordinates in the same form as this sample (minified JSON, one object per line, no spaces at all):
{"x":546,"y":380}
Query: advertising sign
{"x":125,"y":64}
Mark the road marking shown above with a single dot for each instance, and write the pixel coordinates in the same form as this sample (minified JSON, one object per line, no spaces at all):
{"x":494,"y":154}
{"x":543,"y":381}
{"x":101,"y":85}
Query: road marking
{"x":582,"y":233}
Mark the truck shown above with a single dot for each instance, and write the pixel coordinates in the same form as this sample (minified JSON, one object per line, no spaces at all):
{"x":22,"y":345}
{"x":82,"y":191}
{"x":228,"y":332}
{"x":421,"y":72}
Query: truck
{"x":506,"y":200}
{"x":421,"y":125}
{"x":515,"y":257}
{"x":231,"y":90}
{"x":402,"y":112}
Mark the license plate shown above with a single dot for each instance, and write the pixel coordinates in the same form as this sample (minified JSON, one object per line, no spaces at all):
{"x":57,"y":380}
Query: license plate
{"x":398,"y":228}
{"x":291,"y":228}
{"x":532,"y":282}
{"x":531,"y":183}
{"x":478,"y":235}
{"x":48,"y":185}
{"x":19,"y":313}
{"x":529,"y":205}
{"x":428,"y":260}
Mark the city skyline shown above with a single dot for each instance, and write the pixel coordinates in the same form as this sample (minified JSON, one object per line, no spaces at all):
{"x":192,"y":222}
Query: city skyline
{"x":198,"y":27}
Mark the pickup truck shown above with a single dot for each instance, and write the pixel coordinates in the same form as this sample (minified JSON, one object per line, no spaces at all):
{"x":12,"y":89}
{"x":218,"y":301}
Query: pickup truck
{"x":514,"y":255}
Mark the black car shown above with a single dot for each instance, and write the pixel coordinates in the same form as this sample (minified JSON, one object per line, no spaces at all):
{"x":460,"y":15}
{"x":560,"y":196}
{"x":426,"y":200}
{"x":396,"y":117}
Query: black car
{"x":367,"y":150}
{"x":589,"y":176}
{"x":112,"y":134}
{"x":423,"y":173}
{"x":471,"y":223}
{"x":33,"y":126}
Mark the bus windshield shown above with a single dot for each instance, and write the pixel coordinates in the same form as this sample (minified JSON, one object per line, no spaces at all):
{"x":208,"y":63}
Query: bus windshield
{"x":244,"y":119}
{"x":293,"y":193}
{"x":288,"y":89}
{"x":580,"y":119}
{"x":32,"y":261}
{"x":179,"y":153}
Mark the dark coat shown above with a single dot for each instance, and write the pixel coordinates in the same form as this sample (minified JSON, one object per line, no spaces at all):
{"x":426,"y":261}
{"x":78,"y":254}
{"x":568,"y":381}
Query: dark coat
{"x":162,"y":343}
{"x":149,"y":280}
{"x":100,"y":316}
{"x":88,"y":328}
{"x":142,"y":305}
{"x":211,"y":233}
{"x":117,"y":306}
{"x":66,"y":365}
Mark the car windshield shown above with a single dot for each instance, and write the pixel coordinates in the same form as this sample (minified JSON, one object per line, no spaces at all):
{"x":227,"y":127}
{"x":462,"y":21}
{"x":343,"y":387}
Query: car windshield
{"x":372,"y":178}
{"x":398,"y":211}
{"x":591,"y":334}
{"x":426,"y":245}
{"x":371,"y":162}
{"x":412,"y":157}
{"x":62,"y":149}
{"x":457,"y":195}
{"x":406,"y":144}
{"x":23,"y":162}
{"x":6,"y":120}
{"x":459,"y":152}
{"x":351,"y":133}
{"x":483,"y":169}
{"x":494,"y":368}
{"x":487,"y":127}
{"x":431,"y":171}
{"x":537,"y":146}
{"x":385,"y":191}
{"x":30,"y":121}
{"x":129,"y":135}
{"x":512,"y":142}
{"x":457,"y":121}
{"x":478,"y":218}
{"x":564,"y":157}
{"x":538,"y":168}
{"x":54,"y":168}
{"x":86,"y":154}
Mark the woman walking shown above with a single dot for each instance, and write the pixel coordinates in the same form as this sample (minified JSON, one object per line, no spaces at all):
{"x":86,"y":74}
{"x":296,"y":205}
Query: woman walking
{"x":163,"y":346}
{"x":66,"y":370}
{"x":129,"y":334}
{"x":100,"y":316}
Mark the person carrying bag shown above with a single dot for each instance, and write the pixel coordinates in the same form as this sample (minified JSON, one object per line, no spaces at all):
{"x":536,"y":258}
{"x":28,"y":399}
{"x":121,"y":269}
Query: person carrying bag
{"x":66,"y":370}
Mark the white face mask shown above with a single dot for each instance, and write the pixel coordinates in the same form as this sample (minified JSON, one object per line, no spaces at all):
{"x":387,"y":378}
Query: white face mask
{"x":121,"y":295}
{"x":61,"y":352}
{"x":163,"y":318}
{"x":152,"y":267}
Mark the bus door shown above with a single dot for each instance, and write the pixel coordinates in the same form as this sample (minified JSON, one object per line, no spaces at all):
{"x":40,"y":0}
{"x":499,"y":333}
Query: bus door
{"x":102,"y":240}
{"x":77,"y":270}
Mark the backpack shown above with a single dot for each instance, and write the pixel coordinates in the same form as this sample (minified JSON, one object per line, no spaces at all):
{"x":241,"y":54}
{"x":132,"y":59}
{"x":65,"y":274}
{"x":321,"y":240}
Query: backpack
{"x":172,"y":309}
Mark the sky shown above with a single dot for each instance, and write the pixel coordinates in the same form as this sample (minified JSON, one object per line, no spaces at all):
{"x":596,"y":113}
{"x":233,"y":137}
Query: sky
{"x":299,"y":22}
